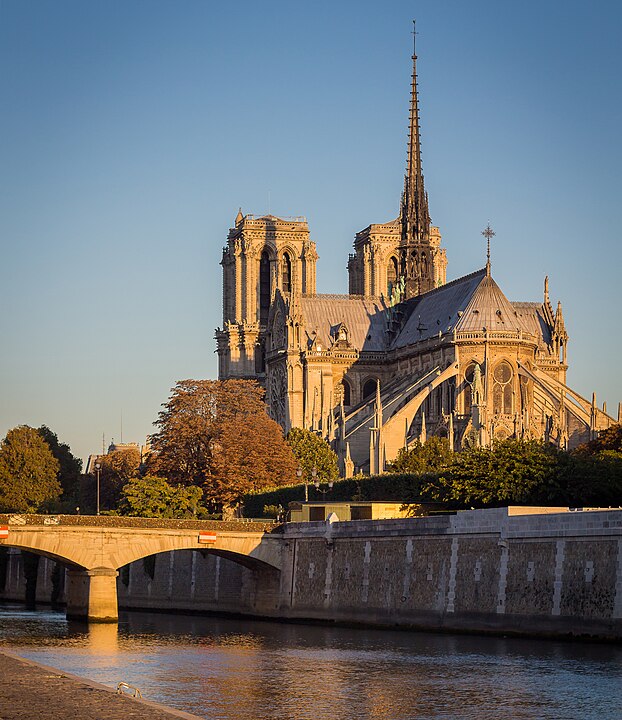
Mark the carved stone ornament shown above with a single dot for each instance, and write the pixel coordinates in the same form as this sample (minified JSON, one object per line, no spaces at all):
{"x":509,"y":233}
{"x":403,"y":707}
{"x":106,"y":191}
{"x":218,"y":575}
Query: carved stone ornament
{"x":278,"y":391}
{"x":279,"y":336}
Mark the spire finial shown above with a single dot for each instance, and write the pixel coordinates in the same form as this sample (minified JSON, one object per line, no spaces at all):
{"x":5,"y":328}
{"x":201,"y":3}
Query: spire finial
{"x":488,"y":233}
{"x":546,"y":289}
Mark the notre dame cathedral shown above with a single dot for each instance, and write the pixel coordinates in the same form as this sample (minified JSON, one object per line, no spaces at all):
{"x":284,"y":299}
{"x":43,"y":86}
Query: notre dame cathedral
{"x":405,"y":354}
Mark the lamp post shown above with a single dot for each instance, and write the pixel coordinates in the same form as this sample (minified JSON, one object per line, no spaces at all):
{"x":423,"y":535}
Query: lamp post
{"x":299,"y":476}
{"x":98,"y":468}
{"x":317,"y":482}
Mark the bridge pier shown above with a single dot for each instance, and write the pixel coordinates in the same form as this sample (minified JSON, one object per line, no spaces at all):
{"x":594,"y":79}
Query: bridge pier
{"x":92,"y":595}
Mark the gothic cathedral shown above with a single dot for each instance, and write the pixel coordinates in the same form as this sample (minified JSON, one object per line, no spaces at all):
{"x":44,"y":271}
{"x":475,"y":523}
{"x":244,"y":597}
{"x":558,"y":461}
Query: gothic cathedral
{"x":405,"y":354}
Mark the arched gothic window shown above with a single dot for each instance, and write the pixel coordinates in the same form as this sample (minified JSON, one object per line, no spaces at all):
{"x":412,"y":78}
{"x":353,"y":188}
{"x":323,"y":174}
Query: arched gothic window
{"x":468,"y":390}
{"x":346,"y":393}
{"x":264,"y":287}
{"x":287,"y":273}
{"x":414,"y":264}
{"x":424,"y":265}
{"x":369,"y":389}
{"x":502,"y":388}
{"x":392,"y":274}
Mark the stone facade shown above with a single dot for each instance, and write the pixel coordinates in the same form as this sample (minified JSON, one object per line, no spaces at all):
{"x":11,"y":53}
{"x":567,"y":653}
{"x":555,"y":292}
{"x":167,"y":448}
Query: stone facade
{"x":405,"y":354}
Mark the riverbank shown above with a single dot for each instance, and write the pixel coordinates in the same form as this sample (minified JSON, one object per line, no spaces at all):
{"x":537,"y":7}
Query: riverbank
{"x":30,"y":691}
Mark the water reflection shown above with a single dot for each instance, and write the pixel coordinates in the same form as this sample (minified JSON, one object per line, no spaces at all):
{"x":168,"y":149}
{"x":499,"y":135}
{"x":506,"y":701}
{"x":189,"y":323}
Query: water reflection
{"x":229,"y":669}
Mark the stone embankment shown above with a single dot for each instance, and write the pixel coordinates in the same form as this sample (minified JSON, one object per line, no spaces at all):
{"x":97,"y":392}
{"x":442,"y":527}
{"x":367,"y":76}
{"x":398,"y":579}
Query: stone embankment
{"x":29,"y":691}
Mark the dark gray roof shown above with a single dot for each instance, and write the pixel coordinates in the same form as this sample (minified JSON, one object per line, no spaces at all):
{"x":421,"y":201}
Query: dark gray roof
{"x":532,"y":315}
{"x":467,"y":304}
{"x":489,"y":309}
{"x":364,"y":317}
{"x":437,"y":310}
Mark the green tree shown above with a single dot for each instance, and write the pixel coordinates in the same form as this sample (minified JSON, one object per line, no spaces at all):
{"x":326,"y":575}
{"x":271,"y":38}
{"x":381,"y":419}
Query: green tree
{"x":217,"y":435}
{"x":429,"y":457}
{"x":70,"y":466}
{"x":312,"y":451}
{"x":511,"y":471}
{"x":28,"y":471}
{"x":154,"y":497}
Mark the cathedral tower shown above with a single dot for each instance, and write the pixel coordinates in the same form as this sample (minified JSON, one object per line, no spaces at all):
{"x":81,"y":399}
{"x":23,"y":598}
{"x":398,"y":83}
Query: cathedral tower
{"x":262,"y":254}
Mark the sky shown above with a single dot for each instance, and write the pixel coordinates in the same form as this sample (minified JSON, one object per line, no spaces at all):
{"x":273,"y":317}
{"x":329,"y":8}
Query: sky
{"x":132,"y":131}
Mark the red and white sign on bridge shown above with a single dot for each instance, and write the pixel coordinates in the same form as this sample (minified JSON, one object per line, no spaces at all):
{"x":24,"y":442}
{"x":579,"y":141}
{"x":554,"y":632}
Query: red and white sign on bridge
{"x":207,"y":537}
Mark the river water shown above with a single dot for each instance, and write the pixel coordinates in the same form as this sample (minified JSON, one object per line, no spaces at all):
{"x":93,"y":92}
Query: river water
{"x":231,"y":669}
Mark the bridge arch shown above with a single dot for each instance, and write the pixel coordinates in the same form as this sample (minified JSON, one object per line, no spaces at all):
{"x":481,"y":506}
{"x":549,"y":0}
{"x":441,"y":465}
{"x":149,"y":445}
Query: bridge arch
{"x":94,"y":555}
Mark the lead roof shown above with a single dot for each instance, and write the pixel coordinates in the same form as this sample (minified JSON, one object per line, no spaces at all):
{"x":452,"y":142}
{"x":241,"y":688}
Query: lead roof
{"x":468,"y":304}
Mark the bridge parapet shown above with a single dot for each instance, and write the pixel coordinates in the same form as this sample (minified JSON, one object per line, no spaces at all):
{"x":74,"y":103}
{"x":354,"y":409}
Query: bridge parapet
{"x":123,"y":521}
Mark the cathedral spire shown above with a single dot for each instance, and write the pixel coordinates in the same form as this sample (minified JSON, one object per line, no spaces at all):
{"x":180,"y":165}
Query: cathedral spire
{"x":414,"y":214}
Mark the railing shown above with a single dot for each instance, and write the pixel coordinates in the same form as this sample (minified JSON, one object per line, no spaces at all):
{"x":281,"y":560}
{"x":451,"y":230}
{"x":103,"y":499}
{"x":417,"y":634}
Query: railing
{"x":496,"y":335}
{"x":286,"y":218}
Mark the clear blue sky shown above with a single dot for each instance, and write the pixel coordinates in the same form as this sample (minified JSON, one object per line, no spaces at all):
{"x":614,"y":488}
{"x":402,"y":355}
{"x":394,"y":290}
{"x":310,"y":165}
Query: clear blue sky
{"x":132,"y":131}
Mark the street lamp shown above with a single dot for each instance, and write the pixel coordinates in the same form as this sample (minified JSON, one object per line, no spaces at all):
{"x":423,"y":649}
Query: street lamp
{"x":98,"y":468}
{"x":317,"y":482}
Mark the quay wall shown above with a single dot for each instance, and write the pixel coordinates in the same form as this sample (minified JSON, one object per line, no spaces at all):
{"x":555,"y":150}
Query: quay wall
{"x":481,"y":571}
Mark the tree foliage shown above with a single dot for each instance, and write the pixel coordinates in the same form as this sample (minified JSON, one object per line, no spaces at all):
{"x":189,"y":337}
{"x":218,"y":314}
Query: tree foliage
{"x":431,"y":456}
{"x":609,"y":440}
{"x":70,"y":466}
{"x":217,"y":435}
{"x":511,"y":471}
{"x":154,"y":497}
{"x":594,"y":470}
{"x":116,"y":468}
{"x":312,"y":451}
{"x":28,"y":471}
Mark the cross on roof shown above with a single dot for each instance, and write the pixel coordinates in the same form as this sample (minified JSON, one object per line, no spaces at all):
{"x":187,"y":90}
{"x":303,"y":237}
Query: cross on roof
{"x":488,"y":233}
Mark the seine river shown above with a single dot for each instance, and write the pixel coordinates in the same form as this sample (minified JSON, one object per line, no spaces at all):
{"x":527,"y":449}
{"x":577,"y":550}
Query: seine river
{"x":233,"y":669}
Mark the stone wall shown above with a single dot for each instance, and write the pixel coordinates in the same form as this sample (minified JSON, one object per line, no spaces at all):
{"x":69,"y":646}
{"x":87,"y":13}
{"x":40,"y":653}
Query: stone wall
{"x":482,"y":570}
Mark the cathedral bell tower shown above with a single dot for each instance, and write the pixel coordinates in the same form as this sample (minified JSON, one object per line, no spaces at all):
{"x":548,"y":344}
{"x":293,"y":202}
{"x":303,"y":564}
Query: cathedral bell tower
{"x":263,"y":253}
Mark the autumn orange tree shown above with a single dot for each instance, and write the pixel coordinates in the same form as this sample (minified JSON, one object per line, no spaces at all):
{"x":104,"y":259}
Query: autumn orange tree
{"x":216,"y":434}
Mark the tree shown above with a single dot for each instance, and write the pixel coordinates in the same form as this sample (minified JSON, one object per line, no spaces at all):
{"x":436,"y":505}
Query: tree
{"x":607,"y":440}
{"x":594,"y":470}
{"x":511,"y":471}
{"x":312,"y":451}
{"x":116,"y":468}
{"x":70,"y":466}
{"x":217,"y":435}
{"x":153,"y":497}
{"x":28,"y":471}
{"x":429,"y":457}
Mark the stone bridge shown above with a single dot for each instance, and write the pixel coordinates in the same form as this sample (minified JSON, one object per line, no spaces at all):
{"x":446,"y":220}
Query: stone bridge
{"x":94,"y":548}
